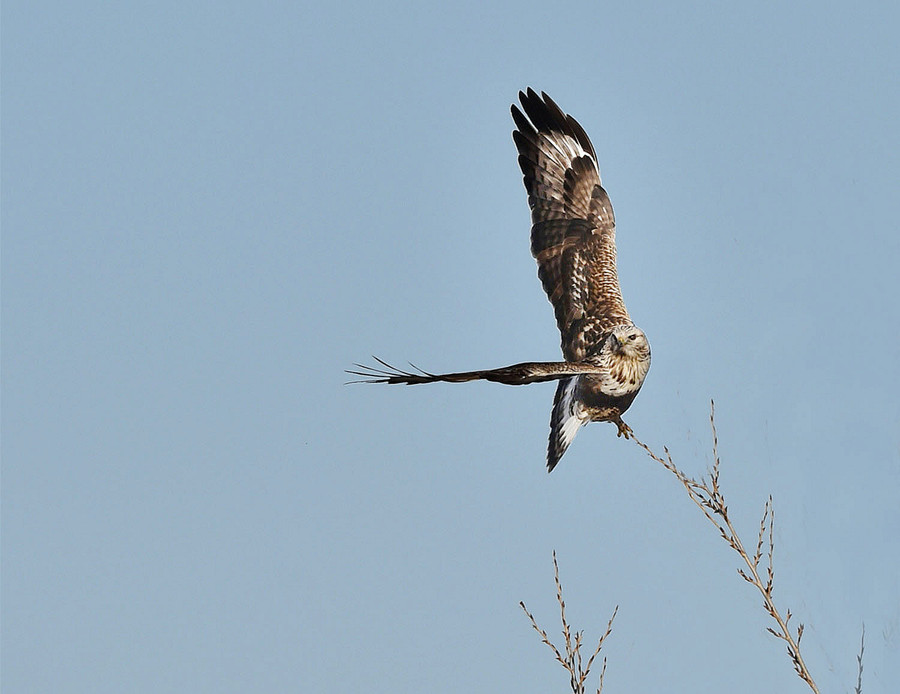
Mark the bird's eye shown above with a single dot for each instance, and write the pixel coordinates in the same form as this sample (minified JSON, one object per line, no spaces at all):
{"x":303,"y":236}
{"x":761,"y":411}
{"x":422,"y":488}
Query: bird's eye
{"x":632,"y":337}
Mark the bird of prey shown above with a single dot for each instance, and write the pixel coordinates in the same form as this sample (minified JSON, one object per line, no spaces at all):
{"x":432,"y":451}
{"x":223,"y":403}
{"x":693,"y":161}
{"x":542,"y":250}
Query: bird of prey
{"x":573,"y":239}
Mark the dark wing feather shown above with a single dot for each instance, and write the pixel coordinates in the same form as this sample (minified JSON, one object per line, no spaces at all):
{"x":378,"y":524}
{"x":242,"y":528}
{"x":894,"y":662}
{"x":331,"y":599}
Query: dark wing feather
{"x":515,"y":375}
{"x":573,"y":233}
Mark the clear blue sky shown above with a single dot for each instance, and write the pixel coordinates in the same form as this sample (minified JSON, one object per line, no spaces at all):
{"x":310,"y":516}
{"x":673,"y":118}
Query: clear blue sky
{"x":211,"y":209}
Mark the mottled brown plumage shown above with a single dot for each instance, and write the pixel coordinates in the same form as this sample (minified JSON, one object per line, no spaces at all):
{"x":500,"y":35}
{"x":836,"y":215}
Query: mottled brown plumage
{"x":573,"y":239}
{"x":573,"y":233}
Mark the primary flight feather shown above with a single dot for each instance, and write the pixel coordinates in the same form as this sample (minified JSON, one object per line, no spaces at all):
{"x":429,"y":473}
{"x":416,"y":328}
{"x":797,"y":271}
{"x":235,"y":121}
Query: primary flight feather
{"x":573,"y":239}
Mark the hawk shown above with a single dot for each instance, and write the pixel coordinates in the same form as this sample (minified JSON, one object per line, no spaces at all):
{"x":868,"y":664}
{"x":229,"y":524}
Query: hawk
{"x":573,"y":240}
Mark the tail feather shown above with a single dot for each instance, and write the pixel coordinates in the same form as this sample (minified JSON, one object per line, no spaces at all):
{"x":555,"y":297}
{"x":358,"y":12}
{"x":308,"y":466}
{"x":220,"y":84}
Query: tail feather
{"x":565,"y":420}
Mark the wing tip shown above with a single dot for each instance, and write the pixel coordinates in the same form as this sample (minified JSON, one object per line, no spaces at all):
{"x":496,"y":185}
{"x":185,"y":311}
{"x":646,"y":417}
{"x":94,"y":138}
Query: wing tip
{"x":545,"y":115}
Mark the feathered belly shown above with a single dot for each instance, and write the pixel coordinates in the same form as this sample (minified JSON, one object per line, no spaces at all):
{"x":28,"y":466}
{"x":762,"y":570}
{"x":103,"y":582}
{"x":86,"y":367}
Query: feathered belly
{"x":603,"y":402}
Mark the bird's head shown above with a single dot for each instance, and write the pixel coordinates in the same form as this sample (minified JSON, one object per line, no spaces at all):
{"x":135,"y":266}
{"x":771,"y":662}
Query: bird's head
{"x":629,"y":341}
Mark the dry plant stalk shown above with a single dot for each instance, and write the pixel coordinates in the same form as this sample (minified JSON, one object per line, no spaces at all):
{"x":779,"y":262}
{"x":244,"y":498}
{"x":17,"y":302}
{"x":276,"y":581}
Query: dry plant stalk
{"x":859,"y":659}
{"x":572,"y":661}
{"x":708,"y":497}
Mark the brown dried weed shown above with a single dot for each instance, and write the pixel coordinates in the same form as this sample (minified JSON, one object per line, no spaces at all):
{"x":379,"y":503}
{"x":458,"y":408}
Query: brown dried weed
{"x":708,"y":496}
{"x":572,"y":660}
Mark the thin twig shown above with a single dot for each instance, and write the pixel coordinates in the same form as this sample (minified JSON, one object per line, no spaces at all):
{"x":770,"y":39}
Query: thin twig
{"x":859,"y":661}
{"x":572,"y":662}
{"x":709,"y":499}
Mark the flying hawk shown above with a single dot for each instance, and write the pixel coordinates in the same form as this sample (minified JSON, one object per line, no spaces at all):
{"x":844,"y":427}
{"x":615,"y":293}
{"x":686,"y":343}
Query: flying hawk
{"x":573,"y":239}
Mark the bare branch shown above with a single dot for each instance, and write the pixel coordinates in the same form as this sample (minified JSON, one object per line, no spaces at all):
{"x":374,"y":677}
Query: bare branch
{"x":602,"y":674}
{"x":572,"y":662}
{"x":707,"y":496}
{"x":859,"y":660}
{"x":544,"y":637}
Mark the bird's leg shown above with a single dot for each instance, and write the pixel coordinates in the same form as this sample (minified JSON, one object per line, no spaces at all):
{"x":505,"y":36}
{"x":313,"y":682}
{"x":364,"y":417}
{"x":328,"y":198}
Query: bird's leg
{"x":624,"y":429}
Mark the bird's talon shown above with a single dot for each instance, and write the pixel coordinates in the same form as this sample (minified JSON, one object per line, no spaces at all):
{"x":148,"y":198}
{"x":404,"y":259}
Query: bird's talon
{"x":623,"y":429}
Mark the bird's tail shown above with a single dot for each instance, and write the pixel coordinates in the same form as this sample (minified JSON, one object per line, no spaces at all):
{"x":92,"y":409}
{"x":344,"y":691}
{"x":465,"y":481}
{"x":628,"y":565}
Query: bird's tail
{"x":565,"y":420}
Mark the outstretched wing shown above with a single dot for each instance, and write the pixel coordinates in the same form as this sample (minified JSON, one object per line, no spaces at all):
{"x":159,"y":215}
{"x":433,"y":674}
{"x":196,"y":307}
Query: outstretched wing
{"x":573,"y":233}
{"x":515,"y":375}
